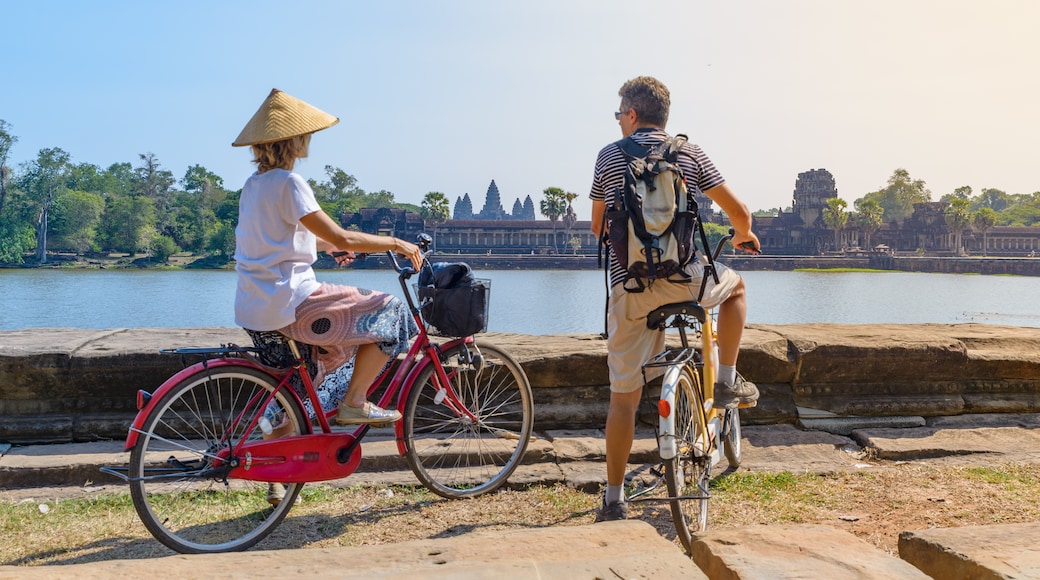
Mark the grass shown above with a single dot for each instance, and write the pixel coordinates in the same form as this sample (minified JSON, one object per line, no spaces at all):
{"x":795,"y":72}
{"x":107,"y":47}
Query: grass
{"x":874,"y":504}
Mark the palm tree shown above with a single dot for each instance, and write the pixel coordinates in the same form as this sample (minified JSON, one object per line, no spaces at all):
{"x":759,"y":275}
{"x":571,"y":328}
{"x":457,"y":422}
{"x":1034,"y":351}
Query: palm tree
{"x":835,"y":217}
{"x":553,"y":207}
{"x":958,"y":220}
{"x":981,"y":221}
{"x":435,"y":210}
{"x":869,"y":217}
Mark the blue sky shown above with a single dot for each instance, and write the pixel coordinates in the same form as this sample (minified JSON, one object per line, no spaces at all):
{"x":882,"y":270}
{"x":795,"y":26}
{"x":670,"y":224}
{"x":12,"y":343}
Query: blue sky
{"x":448,"y":95}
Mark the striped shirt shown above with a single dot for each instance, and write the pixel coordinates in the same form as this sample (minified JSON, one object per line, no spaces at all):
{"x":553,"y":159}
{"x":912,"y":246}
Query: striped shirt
{"x":699,"y":171}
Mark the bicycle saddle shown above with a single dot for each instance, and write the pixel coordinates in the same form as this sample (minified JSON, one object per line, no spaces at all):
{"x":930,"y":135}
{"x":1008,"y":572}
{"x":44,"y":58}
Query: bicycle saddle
{"x":658,"y":319}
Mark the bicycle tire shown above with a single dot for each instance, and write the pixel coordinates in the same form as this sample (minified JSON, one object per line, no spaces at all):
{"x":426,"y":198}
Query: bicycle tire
{"x":688,"y":473}
{"x":732,"y":442}
{"x":452,"y":455}
{"x":197,"y":514}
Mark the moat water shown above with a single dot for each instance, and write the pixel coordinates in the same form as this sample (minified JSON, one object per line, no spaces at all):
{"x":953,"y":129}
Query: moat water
{"x":527,"y":301}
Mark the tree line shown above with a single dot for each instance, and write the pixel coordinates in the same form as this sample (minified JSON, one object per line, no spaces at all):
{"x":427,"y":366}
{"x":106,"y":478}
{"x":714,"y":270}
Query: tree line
{"x":51,"y":204}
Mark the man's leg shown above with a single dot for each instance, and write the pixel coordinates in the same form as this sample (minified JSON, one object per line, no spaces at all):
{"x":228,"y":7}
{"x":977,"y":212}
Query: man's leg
{"x":732,"y":315}
{"x":731,"y":390}
{"x":620,"y":431}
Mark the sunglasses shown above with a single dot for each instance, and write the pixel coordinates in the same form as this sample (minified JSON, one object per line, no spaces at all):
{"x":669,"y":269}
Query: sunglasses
{"x":618,"y":114}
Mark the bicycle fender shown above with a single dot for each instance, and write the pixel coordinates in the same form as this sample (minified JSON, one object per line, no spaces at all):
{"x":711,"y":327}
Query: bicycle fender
{"x":666,"y":429}
{"x":170,"y":383}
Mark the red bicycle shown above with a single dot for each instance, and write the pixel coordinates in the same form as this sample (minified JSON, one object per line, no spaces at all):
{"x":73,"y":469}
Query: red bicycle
{"x":200,"y":467}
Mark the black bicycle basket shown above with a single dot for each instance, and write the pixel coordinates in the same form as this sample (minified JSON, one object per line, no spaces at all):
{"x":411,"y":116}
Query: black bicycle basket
{"x":453,"y":302}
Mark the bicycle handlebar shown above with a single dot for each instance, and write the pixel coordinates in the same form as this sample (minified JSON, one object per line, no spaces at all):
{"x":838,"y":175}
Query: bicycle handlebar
{"x":424,"y":241}
{"x":749,"y":246}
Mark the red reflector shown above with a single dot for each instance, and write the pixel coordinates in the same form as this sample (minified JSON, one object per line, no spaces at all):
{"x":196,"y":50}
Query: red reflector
{"x":142,"y":399}
{"x":663,"y":408}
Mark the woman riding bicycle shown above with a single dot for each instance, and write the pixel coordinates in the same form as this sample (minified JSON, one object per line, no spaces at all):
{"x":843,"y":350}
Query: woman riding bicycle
{"x":280,"y":230}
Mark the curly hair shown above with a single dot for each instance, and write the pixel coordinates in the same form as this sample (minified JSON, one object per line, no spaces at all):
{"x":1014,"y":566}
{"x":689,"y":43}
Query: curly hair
{"x":281,"y":154}
{"x":650,"y":99}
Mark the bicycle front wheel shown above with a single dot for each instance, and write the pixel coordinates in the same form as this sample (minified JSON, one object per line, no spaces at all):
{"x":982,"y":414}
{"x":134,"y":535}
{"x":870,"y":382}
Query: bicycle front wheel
{"x":687,"y":474}
{"x":186,"y":500}
{"x":732,"y":443}
{"x":466,"y":438}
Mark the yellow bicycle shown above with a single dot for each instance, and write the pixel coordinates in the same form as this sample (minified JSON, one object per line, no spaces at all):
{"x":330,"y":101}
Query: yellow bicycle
{"x":692,"y":434}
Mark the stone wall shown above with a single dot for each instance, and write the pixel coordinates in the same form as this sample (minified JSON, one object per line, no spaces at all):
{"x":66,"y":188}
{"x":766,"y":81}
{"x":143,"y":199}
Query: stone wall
{"x":59,"y":385}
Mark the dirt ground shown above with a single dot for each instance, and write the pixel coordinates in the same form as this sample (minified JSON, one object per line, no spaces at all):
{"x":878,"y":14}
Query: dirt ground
{"x":874,"y":504}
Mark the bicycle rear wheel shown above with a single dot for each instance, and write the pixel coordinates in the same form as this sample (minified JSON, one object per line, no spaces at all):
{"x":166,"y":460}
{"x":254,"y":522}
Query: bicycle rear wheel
{"x":183,"y":501}
{"x":689,"y":472}
{"x":455,"y":454}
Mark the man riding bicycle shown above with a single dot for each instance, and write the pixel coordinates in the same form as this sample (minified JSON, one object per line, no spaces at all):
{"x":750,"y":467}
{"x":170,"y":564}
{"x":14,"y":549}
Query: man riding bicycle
{"x":643,"y":114}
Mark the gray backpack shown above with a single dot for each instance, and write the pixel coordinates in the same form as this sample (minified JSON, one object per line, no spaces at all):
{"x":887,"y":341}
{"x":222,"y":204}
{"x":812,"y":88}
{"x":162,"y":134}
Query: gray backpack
{"x":651,"y":220}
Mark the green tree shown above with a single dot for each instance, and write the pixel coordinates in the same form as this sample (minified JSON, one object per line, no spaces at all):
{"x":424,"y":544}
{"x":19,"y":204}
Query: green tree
{"x":162,"y":247}
{"x":198,"y":179}
{"x":43,"y":181}
{"x":835,"y":218}
{"x":128,"y":224}
{"x":435,"y":210}
{"x":191,"y":221}
{"x":121,"y":180}
{"x":714,"y":232}
{"x":16,"y":229}
{"x":76,"y":216}
{"x":156,"y":184}
{"x":958,"y":219}
{"x":962,"y":192}
{"x":222,"y":242}
{"x":994,"y":199}
{"x":897,"y":199}
{"x":381,"y":198}
{"x":7,"y":141}
{"x":868,"y":218}
{"x":554,"y":206}
{"x":1022,"y":210}
{"x":982,"y":221}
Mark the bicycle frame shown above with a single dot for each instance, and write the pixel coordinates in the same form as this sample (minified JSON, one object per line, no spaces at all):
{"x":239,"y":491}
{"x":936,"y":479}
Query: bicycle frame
{"x":313,"y":456}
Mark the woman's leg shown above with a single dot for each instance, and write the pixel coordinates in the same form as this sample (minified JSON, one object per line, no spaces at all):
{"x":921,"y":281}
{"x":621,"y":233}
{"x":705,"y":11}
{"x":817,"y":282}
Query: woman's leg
{"x":368,"y":362}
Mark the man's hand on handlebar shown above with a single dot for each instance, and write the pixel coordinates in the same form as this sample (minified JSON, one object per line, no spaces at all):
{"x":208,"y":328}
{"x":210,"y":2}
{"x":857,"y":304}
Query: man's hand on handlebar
{"x":747,"y":243}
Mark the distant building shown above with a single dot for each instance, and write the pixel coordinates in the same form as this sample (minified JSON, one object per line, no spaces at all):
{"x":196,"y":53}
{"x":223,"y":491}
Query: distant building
{"x":797,"y":231}
{"x":493,"y":210}
{"x":801,"y":230}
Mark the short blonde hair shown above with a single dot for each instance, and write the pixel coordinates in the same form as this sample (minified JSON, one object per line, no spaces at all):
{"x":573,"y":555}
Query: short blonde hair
{"x":281,"y":154}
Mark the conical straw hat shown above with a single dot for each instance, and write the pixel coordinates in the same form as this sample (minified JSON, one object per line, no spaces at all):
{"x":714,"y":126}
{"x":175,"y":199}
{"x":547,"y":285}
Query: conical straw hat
{"x":282,"y":116}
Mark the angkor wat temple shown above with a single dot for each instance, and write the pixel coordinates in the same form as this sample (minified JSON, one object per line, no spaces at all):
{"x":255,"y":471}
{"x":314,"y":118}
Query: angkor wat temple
{"x":493,"y":207}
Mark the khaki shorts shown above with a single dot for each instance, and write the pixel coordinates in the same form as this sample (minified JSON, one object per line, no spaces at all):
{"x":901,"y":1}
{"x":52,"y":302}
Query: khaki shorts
{"x":630,"y":343}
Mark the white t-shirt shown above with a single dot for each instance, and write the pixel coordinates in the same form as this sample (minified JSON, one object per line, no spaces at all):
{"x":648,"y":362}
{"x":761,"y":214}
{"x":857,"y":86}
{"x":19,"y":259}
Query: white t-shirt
{"x":273,"y":251}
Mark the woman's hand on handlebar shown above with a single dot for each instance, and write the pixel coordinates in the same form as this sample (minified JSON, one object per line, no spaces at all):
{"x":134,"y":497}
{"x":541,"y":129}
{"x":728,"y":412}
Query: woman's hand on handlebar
{"x":344,"y":258}
{"x":410,"y":251}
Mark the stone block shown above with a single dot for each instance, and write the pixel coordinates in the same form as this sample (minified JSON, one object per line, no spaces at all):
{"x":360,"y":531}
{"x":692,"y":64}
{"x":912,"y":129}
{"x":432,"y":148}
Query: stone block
{"x":794,"y":551}
{"x":1005,"y":551}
